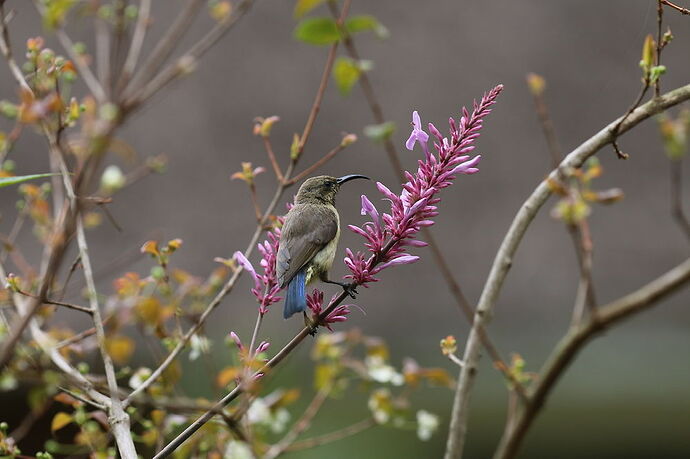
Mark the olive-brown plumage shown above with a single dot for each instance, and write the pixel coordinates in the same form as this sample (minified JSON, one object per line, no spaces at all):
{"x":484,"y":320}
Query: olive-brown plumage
{"x":309,"y":239}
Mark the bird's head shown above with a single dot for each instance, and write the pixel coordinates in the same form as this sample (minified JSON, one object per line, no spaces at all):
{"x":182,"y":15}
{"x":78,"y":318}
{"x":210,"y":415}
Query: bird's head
{"x":322,"y":189}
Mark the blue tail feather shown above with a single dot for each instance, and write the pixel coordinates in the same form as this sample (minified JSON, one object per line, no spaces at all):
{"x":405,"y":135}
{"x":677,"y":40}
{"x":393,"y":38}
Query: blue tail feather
{"x":296,"y":298}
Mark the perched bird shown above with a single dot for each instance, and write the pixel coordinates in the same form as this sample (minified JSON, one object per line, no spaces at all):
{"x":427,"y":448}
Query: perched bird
{"x":309,"y":239}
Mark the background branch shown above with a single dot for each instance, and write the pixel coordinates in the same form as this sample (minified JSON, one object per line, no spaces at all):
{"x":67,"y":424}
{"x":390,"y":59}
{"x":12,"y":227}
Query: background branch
{"x":576,"y":338}
{"x":510,"y":244}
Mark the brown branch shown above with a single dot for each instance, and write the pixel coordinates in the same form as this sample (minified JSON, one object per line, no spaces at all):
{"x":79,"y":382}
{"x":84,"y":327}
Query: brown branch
{"x":676,"y":172}
{"x":6,"y":49}
{"x":272,"y":158}
{"x":349,"y":431}
{"x":616,"y":130}
{"x":310,"y":170}
{"x":136,"y":44}
{"x":659,"y":44}
{"x":74,"y":307}
{"x":569,"y":346}
{"x":163,"y":49}
{"x":504,"y":257}
{"x":680,"y":9}
{"x":186,"y":62}
{"x":300,"y":426}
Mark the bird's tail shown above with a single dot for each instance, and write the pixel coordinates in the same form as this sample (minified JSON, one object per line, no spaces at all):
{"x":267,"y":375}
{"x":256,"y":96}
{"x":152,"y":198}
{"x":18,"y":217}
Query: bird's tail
{"x":296,"y":298}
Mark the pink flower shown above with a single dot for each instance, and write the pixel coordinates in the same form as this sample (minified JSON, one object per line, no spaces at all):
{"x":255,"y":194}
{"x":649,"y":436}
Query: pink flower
{"x":387,"y":235}
{"x":339,"y":314}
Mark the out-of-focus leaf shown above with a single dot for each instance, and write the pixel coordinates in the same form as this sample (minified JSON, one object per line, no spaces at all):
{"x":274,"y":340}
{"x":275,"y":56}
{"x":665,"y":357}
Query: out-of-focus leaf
{"x":60,"y":420}
{"x":346,"y":72}
{"x":302,"y":7}
{"x":7,"y":181}
{"x":317,"y":31}
{"x":120,"y":348}
{"x":366,"y":22}
{"x":226,"y":376}
{"x":380,"y":132}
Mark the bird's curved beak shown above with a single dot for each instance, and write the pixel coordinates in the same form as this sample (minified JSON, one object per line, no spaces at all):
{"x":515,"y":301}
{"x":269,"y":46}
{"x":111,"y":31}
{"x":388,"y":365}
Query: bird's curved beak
{"x":346,"y":178}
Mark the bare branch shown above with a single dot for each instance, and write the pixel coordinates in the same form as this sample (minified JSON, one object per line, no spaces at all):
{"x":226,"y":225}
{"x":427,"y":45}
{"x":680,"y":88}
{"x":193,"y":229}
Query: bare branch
{"x":567,"y":349}
{"x":6,"y":49}
{"x":680,"y":9}
{"x":137,"y":42}
{"x":511,"y":242}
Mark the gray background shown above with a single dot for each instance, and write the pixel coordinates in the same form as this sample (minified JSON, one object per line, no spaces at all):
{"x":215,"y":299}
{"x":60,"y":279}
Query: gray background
{"x":627,"y":395}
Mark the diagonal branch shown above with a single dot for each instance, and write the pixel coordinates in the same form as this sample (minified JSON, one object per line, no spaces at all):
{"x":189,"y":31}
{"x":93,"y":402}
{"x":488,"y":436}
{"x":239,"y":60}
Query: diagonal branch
{"x":511,"y":242}
{"x":567,"y":349}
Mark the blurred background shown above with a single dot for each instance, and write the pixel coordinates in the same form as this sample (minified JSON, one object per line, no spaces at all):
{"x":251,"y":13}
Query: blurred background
{"x":626,"y":396}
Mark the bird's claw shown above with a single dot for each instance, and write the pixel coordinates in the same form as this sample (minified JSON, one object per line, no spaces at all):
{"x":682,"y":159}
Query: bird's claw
{"x":351,"y":290}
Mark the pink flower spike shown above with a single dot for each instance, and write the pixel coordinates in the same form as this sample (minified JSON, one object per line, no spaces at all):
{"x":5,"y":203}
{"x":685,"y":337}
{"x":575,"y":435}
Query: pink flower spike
{"x":417,"y":135}
{"x":468,"y":166}
{"x":246,"y":264}
{"x":262,"y":347}
{"x":369,"y":208}
{"x":402,"y":260}
{"x":236,"y":339}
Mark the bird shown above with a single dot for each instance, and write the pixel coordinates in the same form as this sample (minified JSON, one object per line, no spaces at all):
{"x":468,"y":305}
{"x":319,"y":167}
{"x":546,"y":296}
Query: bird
{"x":309,"y":239}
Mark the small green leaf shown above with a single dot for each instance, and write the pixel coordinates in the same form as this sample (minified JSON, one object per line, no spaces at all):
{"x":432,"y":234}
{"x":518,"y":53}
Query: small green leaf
{"x":366,"y":22}
{"x":302,"y":7}
{"x":7,"y":181}
{"x":317,"y":31}
{"x":346,"y":73}
{"x":379,"y":132}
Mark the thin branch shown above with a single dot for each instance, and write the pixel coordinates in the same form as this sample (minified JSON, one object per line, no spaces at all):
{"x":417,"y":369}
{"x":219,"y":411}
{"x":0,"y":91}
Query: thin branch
{"x":117,"y":419}
{"x":659,"y":44}
{"x":137,"y":42}
{"x":511,"y":242}
{"x":680,"y":9}
{"x":677,"y":211}
{"x":300,"y":426}
{"x":439,"y":258}
{"x":81,"y":335}
{"x":569,"y":346}
{"x":6,"y":49}
{"x":354,"y":429}
{"x":103,"y":65}
{"x":74,"y":307}
{"x":272,"y":158}
{"x":165,"y":46}
{"x":616,"y":130}
{"x":310,"y":170}
{"x":186,"y":62}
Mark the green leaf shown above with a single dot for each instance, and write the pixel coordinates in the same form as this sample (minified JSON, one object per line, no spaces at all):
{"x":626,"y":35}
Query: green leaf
{"x":346,"y":73}
{"x":302,"y":7}
{"x":317,"y":31}
{"x":380,"y":132}
{"x":366,"y":22}
{"x":7,"y":181}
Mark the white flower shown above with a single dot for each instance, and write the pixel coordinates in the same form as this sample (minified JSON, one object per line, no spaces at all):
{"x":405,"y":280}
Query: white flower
{"x":200,"y":345}
{"x":112,"y":179}
{"x":427,"y":423}
{"x":279,"y":420}
{"x":258,"y":412}
{"x":139,"y":376}
{"x":380,"y":405}
{"x":379,"y":371}
{"x":237,"y":450}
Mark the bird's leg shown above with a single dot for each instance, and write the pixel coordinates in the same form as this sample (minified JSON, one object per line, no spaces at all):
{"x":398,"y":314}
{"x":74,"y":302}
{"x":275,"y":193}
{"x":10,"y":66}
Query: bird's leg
{"x":308,"y":322}
{"x":348,"y":287}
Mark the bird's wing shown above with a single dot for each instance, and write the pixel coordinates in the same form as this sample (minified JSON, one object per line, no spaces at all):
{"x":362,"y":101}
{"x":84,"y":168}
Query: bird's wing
{"x":307,"y":230}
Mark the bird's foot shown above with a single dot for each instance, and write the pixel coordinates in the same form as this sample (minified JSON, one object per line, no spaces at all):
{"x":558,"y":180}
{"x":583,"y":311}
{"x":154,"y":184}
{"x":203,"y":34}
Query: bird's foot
{"x":350,"y":288}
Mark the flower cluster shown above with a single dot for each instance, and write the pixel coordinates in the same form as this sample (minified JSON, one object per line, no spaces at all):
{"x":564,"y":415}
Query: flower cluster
{"x":388,"y":235}
{"x":266,"y":286}
{"x":315,"y":303}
